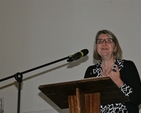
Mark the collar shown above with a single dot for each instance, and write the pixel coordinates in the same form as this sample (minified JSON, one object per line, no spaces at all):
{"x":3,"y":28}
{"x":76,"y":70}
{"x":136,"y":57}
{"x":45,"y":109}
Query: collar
{"x":117,"y":62}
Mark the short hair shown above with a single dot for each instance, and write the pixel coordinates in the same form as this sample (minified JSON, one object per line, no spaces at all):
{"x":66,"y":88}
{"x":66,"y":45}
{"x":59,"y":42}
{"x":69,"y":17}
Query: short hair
{"x":117,"y":54}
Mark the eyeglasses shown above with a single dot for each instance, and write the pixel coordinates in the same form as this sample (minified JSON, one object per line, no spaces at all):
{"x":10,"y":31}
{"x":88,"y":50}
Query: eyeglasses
{"x":107,"y":40}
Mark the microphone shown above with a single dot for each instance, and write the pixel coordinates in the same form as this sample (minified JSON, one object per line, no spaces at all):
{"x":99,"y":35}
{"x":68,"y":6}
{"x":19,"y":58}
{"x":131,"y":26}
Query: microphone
{"x":78,"y":55}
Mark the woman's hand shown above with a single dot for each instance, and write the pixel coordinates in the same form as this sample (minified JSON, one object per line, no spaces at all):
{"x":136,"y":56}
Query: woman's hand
{"x":114,"y":75}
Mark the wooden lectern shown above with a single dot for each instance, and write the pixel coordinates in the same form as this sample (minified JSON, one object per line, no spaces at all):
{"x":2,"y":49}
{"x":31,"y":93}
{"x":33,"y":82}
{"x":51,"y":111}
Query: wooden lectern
{"x":84,"y":96}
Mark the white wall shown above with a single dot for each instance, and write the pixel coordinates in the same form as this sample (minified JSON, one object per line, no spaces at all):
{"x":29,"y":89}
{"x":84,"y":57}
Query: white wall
{"x":35,"y":32}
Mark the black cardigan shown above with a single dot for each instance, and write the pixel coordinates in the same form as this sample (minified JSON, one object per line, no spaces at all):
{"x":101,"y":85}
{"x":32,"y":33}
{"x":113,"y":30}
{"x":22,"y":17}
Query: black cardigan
{"x":129,"y":75}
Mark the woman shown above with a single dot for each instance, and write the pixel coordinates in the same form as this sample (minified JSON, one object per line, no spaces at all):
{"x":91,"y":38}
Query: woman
{"x":122,"y":72}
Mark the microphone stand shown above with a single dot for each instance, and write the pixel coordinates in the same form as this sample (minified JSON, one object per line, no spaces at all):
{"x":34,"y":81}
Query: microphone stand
{"x":19,"y":76}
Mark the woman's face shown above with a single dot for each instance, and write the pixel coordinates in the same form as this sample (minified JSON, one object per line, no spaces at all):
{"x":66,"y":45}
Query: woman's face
{"x":105,"y":46}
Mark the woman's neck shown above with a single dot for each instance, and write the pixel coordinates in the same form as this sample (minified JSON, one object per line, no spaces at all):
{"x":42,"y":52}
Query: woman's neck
{"x":107,"y":63}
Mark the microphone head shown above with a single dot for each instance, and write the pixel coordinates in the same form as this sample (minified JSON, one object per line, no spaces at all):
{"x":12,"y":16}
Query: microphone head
{"x":78,"y":55}
{"x":84,"y":52}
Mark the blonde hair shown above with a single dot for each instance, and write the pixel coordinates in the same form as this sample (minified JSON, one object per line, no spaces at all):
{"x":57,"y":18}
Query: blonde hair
{"x":117,"y":53}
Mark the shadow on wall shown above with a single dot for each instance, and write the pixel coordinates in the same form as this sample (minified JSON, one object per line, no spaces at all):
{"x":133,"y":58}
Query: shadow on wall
{"x":69,"y":65}
{"x":56,"y":108}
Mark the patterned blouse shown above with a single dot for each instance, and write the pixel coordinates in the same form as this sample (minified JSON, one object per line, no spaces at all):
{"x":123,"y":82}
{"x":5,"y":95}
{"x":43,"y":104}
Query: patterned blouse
{"x":96,"y":71}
